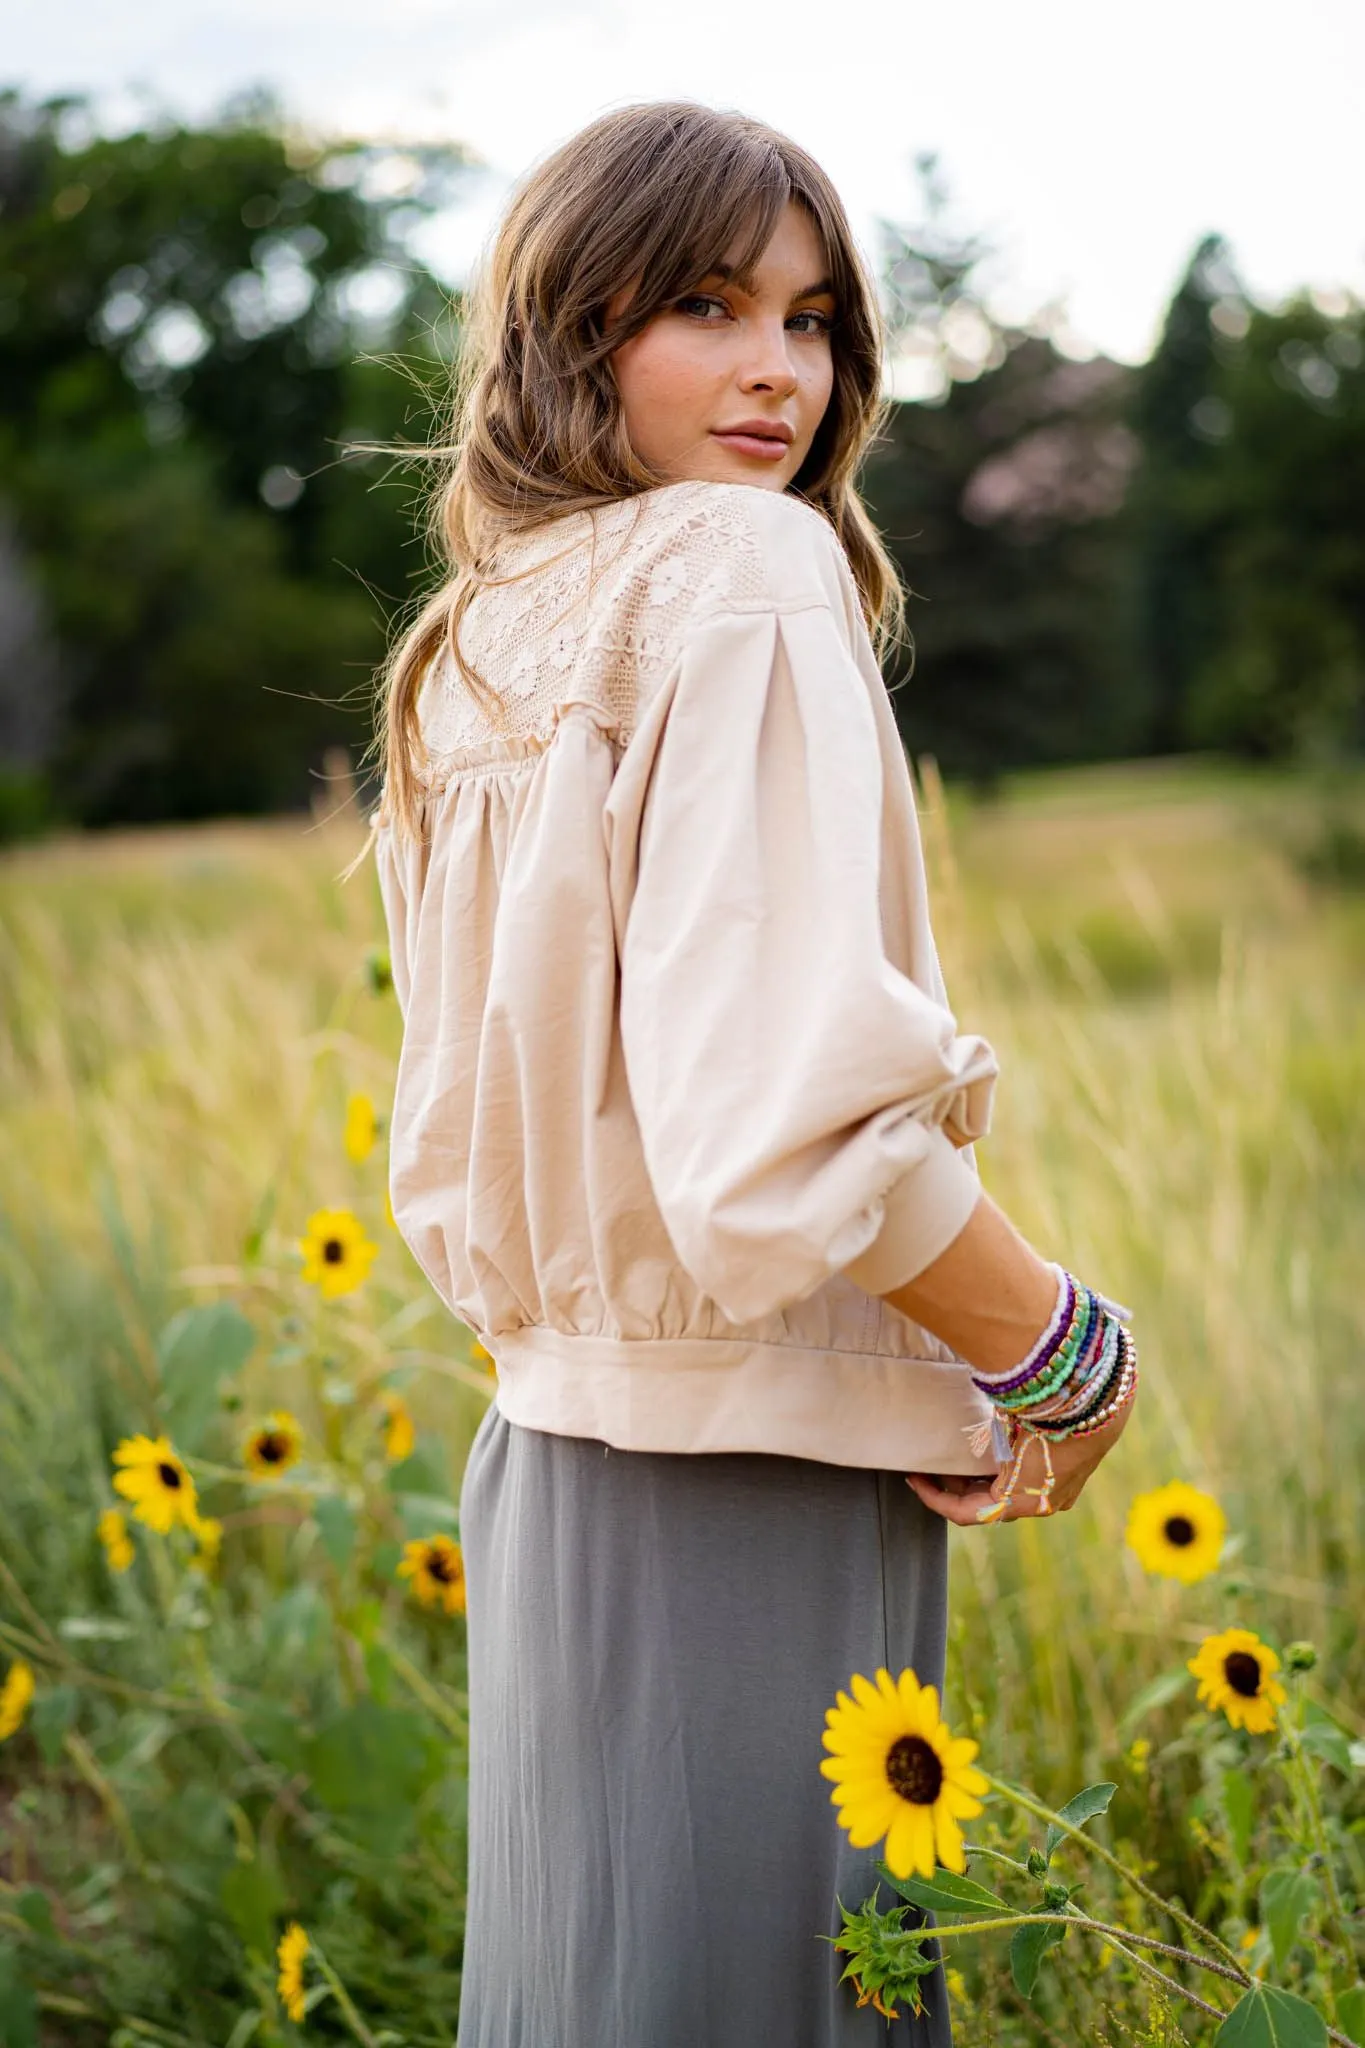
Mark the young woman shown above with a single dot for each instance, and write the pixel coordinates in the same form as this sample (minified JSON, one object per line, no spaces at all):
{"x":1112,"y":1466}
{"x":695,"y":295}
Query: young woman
{"x":682,"y":1124}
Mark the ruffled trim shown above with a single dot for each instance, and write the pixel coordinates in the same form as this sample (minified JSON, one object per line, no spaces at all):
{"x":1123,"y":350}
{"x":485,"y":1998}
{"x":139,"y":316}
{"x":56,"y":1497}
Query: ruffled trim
{"x":498,"y":756}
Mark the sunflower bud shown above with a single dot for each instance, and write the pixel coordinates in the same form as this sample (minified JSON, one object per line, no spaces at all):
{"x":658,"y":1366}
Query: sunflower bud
{"x":378,"y":971}
{"x":1300,"y":1657}
{"x":1037,"y":1863}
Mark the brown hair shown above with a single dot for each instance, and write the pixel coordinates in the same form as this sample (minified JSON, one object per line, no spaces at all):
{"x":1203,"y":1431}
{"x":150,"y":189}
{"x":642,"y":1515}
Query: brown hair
{"x":652,"y":196}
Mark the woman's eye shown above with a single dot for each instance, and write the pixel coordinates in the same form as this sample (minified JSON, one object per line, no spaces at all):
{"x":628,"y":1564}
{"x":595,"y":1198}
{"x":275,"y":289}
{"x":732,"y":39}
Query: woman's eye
{"x":823,"y":323}
{"x":693,"y":300}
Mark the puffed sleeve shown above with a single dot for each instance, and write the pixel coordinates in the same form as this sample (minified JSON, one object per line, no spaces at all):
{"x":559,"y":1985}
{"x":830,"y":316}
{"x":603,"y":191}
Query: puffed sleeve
{"x":790,"y":1083}
{"x":398,"y":865}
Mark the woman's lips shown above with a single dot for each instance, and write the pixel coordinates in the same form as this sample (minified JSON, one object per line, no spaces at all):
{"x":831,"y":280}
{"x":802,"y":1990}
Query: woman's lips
{"x":766,"y":447}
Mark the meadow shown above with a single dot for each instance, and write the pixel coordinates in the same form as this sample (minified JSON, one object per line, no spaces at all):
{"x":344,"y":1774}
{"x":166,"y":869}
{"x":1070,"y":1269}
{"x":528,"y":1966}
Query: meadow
{"x":232,"y":1733}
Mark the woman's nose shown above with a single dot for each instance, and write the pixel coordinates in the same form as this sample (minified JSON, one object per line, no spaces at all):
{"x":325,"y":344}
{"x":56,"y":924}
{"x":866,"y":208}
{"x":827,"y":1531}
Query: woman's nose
{"x":768,"y":364}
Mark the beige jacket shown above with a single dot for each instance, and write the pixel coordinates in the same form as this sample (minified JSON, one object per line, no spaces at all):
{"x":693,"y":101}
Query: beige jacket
{"x":677,"y":1058}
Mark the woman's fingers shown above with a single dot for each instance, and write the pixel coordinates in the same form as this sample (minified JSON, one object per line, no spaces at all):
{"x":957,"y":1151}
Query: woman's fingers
{"x":965,"y":1500}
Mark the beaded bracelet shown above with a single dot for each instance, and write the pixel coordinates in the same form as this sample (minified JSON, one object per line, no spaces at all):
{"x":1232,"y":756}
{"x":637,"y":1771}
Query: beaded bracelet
{"x":1079,"y":1375}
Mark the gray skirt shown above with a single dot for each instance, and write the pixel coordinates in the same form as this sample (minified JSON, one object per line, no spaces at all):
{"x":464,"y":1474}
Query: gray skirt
{"x":653,"y":1642}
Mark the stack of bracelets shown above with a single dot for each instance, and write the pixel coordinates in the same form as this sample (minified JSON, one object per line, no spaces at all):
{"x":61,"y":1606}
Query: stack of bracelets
{"x":1082,"y":1372}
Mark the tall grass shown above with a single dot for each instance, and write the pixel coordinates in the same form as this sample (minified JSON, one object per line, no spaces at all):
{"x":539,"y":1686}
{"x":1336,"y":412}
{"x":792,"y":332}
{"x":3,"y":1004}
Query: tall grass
{"x":1175,"y":988}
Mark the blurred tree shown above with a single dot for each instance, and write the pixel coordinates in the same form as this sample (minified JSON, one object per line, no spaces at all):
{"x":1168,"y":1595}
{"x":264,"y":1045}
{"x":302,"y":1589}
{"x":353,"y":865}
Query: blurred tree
{"x":1248,"y":535}
{"x":1000,"y":491}
{"x":190,"y":322}
{"x":1283,"y":511}
{"x":1179,"y":420}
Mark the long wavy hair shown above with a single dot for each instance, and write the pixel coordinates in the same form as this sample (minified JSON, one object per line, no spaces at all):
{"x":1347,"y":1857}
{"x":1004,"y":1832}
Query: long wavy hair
{"x":652,"y":196}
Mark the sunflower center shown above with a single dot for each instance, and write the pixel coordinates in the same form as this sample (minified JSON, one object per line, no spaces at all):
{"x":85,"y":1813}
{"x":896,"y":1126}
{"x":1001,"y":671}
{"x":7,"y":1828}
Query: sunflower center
{"x":270,"y":1448}
{"x":168,"y":1476}
{"x":914,"y":1771}
{"x":1243,"y":1673}
{"x":1180,"y":1531}
{"x":333,"y":1251}
{"x":440,"y":1567}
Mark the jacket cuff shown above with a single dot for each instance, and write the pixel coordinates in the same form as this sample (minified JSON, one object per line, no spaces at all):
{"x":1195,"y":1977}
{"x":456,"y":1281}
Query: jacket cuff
{"x":925,"y":1210}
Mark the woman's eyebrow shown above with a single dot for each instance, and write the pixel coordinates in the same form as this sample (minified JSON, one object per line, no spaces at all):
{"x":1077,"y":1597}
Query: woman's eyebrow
{"x":822,"y":288}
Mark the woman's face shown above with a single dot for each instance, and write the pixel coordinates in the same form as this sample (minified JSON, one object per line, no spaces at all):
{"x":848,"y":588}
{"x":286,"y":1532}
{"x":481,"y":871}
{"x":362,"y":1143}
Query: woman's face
{"x":731,"y":385}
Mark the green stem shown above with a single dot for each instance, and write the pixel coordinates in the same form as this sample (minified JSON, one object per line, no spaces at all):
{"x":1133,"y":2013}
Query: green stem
{"x":1115,"y":1936}
{"x":343,"y":1999}
{"x":1308,"y":1786}
{"x":1093,"y":1848}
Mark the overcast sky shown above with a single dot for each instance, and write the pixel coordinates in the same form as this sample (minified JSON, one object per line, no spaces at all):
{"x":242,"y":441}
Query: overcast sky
{"x":1091,"y":143}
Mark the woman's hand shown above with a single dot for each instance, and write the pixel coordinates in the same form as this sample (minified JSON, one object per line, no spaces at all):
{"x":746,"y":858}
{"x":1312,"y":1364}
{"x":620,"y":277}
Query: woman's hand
{"x":962,"y":1500}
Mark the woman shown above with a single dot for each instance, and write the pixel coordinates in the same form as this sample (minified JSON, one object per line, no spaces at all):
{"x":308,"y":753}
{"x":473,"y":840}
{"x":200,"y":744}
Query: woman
{"x":682,"y":1123}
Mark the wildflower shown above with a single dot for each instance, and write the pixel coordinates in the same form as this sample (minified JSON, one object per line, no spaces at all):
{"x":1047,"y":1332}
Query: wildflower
{"x":293,"y":1947}
{"x":1177,"y":1532}
{"x":957,"y":1985}
{"x":210,"y":1534}
{"x":362,"y":1128}
{"x":15,"y":1694}
{"x":1235,"y":1672}
{"x":118,"y":1544}
{"x":874,"y":1998}
{"x":1139,"y":1755}
{"x":435,"y":1565}
{"x":389,"y":1216}
{"x":336,"y":1252}
{"x":156,"y":1482}
{"x":482,"y":1357}
{"x":400,"y":1437}
{"x":275,"y":1446}
{"x":899,"y":1772}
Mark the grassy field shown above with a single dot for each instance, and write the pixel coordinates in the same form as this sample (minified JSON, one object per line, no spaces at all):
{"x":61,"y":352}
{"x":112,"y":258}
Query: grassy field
{"x":1170,"y":960}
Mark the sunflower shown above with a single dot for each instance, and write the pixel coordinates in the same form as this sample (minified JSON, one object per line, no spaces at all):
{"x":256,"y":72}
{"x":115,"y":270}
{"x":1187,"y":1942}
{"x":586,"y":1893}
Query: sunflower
{"x":291,"y":1950}
{"x":336,"y":1252}
{"x":1177,"y":1531}
{"x":275,"y":1446}
{"x":400,"y":1437}
{"x":210,"y":1534}
{"x":898,"y":1772}
{"x":156,"y":1482}
{"x":1235,"y":1672}
{"x":436,"y":1567}
{"x":15,"y":1694}
{"x":118,"y":1544}
{"x":362,"y":1127}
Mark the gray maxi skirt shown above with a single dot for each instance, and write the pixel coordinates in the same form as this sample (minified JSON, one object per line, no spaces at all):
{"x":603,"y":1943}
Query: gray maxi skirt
{"x":653,"y":1642}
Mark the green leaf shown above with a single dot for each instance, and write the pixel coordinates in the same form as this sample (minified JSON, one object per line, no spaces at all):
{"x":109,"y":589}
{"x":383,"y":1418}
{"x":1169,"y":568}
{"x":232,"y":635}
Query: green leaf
{"x":95,"y":1628}
{"x":1027,"y":1949}
{"x":421,"y":1473}
{"x":1239,"y":1808}
{"x":1267,"y":2018}
{"x":370,"y":1763}
{"x":53,"y":1713}
{"x":1158,"y":1693}
{"x":1286,"y":1895}
{"x":18,"y":2013}
{"x":422,"y":1514}
{"x":253,"y":1896}
{"x":197,"y":1350}
{"x":1094,"y":1799}
{"x":945,"y":1893}
{"x":336,"y":1526}
{"x":34,"y":1908}
{"x":1321,"y":1735}
{"x":1351,"y":2012}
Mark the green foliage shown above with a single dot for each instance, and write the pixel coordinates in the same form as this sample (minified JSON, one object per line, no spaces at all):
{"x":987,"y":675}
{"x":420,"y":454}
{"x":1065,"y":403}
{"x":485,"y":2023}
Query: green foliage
{"x":1267,"y":2018}
{"x":1085,"y":1806}
{"x":185,"y":359}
